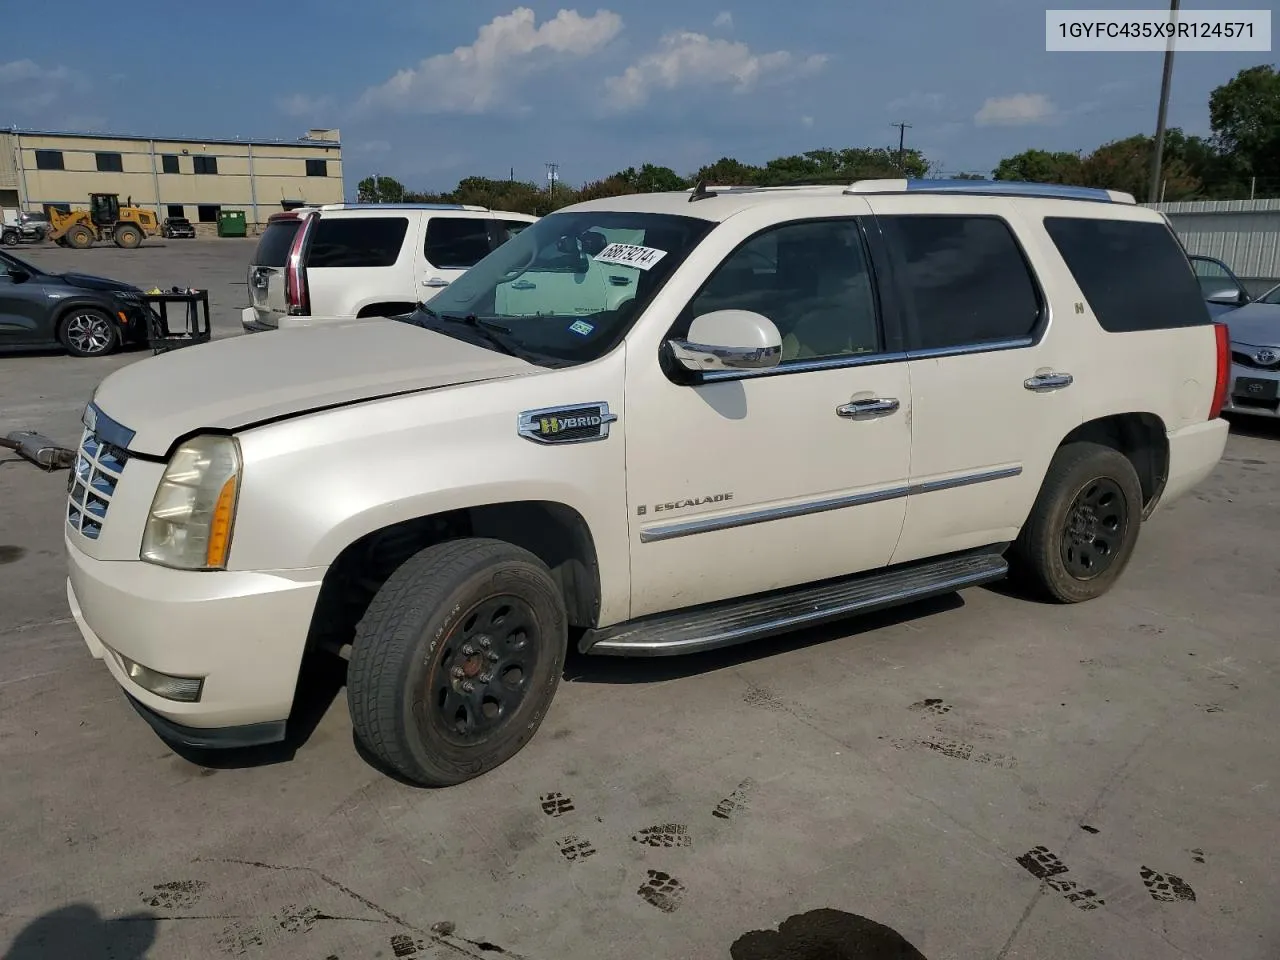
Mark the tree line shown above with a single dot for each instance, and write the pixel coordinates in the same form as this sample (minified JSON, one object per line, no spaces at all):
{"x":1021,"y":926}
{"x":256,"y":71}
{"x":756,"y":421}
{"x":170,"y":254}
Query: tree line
{"x":1239,"y":160}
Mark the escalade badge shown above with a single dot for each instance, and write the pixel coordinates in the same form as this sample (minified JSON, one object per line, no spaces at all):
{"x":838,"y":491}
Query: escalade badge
{"x":577,"y":423}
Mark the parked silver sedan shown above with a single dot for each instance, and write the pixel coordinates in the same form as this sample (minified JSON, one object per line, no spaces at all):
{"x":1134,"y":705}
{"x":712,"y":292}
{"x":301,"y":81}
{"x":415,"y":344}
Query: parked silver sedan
{"x":1255,"y":356}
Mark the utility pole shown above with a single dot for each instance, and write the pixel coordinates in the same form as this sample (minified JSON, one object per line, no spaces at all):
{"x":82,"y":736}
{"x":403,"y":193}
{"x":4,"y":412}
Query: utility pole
{"x":553,"y":174}
{"x":902,"y":130}
{"x":1157,"y":155}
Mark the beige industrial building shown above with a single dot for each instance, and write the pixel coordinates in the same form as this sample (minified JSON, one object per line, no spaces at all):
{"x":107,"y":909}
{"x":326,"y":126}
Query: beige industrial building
{"x":196,"y":179}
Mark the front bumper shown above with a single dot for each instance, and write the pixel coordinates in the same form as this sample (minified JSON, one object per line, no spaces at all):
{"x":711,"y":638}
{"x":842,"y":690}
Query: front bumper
{"x":243,"y":633}
{"x":1254,"y":391}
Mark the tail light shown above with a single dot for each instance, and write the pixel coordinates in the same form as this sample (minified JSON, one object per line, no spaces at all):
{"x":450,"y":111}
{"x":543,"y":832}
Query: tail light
{"x":1223,"y":383}
{"x":297,"y":296}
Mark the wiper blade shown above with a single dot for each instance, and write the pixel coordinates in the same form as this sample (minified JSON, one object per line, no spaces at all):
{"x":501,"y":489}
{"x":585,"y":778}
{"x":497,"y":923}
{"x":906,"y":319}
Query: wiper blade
{"x":472,"y":320}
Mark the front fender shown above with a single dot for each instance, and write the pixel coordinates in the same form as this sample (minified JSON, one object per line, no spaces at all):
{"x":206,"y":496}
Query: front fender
{"x":315,"y":484}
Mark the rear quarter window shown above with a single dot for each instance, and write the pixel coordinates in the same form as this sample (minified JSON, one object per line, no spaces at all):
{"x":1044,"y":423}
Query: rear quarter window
{"x":273,"y":245}
{"x":1134,"y":274}
{"x":357,"y":242}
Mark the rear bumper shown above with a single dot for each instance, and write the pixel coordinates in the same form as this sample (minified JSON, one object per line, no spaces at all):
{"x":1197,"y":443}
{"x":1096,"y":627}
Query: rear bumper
{"x":1194,"y":453}
{"x":249,"y":320}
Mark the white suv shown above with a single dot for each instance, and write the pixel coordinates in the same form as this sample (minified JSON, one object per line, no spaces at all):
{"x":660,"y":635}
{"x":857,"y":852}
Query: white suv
{"x":653,"y":424}
{"x":366,"y":260}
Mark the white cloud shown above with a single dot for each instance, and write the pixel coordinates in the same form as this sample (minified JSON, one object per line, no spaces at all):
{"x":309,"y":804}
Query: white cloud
{"x":28,"y":87}
{"x":931,"y":102}
{"x":685,"y":58}
{"x":475,"y":78}
{"x":1016,"y":110}
{"x":723,"y":20}
{"x":806,"y":121}
{"x":302,"y":105}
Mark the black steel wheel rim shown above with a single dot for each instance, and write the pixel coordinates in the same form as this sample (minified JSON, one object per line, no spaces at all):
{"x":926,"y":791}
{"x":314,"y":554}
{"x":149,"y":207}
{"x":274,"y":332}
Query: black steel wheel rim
{"x":484,"y":672}
{"x":1095,"y":529}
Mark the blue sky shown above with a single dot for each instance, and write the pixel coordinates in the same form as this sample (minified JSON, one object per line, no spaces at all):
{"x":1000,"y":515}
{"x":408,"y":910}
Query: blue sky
{"x":429,"y":91}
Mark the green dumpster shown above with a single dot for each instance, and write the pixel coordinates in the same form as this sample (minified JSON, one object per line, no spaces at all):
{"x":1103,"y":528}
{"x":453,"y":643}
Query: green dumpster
{"x":231,"y":223}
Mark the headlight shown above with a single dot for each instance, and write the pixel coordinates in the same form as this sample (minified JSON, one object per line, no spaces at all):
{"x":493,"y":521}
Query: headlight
{"x":194,"y":509}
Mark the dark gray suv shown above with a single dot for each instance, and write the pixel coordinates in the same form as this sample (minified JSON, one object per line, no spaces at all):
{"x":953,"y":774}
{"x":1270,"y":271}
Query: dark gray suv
{"x":88,"y":316}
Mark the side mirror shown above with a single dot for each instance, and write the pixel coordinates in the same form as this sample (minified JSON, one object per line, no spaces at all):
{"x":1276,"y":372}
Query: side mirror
{"x":1228,"y":296}
{"x":18,"y":275}
{"x":729,"y":340}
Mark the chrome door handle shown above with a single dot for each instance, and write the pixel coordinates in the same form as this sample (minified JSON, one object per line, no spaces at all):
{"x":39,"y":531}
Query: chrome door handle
{"x":435,"y":282}
{"x":1044,"y":382}
{"x":868,"y":409}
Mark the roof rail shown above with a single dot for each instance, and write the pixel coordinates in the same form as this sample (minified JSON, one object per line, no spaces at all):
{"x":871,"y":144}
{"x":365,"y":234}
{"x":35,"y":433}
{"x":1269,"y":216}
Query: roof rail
{"x":404,"y":206}
{"x":1007,"y":188}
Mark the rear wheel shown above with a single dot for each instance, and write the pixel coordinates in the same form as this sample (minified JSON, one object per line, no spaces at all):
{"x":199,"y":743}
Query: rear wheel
{"x":1084,"y":526}
{"x":80,"y":237}
{"x":456,"y":660}
{"x":128,"y":236}
{"x":86,"y":332}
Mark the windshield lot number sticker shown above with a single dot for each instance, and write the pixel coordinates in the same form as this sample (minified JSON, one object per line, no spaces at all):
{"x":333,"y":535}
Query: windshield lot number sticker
{"x":631,"y":255}
{"x":581,"y":327}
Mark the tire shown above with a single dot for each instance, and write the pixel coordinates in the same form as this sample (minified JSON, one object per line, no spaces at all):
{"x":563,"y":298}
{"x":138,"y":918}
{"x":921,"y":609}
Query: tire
{"x":80,"y":237}
{"x":11,"y":238}
{"x":473,"y":612}
{"x":1083,"y":527}
{"x":88,"y":332}
{"x":128,"y":236}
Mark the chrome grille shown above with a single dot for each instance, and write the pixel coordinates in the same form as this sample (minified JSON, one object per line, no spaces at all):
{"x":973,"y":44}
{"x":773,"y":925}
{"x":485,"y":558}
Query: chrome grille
{"x":93,"y":483}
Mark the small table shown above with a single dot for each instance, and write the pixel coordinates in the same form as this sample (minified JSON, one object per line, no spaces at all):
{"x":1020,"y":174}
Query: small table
{"x":194,"y":322}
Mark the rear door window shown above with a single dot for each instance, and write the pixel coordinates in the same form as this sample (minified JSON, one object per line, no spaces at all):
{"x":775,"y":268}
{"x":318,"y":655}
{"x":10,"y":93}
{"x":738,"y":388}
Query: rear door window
{"x":357,"y":241}
{"x":1133,"y":273}
{"x":964,"y":279}
{"x":457,"y":243}
{"x":274,"y":244}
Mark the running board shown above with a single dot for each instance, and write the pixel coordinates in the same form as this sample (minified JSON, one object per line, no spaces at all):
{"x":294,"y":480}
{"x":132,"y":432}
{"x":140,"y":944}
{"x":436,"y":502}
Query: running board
{"x":738,"y":621}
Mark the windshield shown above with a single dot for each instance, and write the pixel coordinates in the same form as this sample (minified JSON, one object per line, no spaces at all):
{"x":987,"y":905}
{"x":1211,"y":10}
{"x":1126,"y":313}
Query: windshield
{"x":1272,"y":296}
{"x":9,"y":261}
{"x":568,"y":288}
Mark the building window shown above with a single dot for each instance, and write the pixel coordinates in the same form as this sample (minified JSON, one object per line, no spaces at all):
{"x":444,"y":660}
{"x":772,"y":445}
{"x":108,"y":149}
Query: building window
{"x":175,"y":211}
{"x":208,"y":213}
{"x":317,"y":168}
{"x":49,"y":160}
{"x":109,"y":162}
{"x":208,"y":165}
{"x":169,"y":163}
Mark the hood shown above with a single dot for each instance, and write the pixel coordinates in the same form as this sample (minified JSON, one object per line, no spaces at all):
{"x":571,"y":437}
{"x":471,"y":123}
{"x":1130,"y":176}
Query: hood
{"x":232,"y":383}
{"x":88,"y":282}
{"x":1257,"y":324}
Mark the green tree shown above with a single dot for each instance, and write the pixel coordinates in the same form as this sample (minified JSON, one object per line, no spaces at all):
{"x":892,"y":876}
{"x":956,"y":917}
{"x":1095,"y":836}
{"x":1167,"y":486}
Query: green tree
{"x":652,"y":179}
{"x":380,"y":190}
{"x":1126,"y":165}
{"x":728,"y":172}
{"x":1244,"y":114}
{"x":1040,"y":166}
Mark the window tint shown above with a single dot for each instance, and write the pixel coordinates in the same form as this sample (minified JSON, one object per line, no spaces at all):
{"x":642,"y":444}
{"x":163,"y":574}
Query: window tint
{"x":208,"y":213}
{"x":513,"y":228}
{"x":964,"y":279}
{"x":207,"y":165}
{"x":811,"y":279}
{"x":317,"y":168}
{"x":1134,"y":274}
{"x":274,"y":244}
{"x":169,"y":163}
{"x":357,"y":242}
{"x":109,"y":162}
{"x":49,"y":160}
{"x":456,"y":243}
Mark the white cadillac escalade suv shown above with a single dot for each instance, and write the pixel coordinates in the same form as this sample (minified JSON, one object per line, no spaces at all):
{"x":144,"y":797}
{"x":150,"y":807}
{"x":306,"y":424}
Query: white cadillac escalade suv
{"x":647,"y":425}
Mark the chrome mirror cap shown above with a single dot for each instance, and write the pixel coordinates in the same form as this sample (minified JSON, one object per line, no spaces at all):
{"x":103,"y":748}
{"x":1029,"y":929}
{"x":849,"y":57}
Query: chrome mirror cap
{"x":729,"y":340}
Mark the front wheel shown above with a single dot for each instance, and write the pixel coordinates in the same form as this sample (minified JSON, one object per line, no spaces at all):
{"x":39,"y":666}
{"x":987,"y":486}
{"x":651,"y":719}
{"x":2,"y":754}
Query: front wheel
{"x":86,"y":332}
{"x":456,"y":660}
{"x":1084,"y":524}
{"x":11,"y":238}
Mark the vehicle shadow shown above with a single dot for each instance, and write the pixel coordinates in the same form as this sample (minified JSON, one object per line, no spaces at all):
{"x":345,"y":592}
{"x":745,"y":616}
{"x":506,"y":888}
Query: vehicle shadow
{"x":1261,"y":428}
{"x":584,"y":668}
{"x":78,"y":932}
{"x":320,"y":680}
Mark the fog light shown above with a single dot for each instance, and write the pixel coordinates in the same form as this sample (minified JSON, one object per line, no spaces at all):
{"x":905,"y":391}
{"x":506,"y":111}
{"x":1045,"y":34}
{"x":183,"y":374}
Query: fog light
{"x":185,"y":689}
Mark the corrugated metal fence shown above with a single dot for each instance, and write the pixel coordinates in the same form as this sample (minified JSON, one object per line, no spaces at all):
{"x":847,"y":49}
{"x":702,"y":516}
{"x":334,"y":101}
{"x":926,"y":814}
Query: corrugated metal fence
{"x":1243,"y":234}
